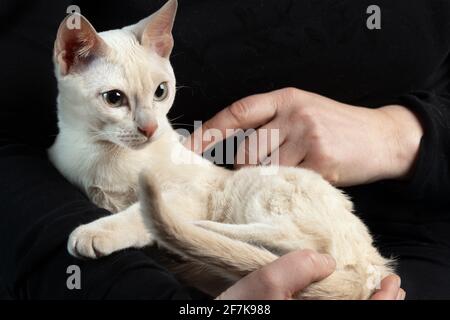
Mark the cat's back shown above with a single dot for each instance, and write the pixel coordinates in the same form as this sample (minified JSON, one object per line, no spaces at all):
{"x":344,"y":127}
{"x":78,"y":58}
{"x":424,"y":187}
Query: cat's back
{"x":263,"y":194}
{"x":268,"y":183}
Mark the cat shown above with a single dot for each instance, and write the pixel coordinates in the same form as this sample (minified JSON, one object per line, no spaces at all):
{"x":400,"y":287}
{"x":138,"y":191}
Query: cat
{"x":116,"y":143}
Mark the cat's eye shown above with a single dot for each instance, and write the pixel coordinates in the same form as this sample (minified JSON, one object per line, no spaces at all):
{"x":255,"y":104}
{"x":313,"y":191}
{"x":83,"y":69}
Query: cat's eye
{"x":114,"y":98}
{"x":161,"y":92}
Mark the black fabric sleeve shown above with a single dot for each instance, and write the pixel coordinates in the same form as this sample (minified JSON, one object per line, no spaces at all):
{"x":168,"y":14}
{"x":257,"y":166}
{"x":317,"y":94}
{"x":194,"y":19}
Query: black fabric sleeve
{"x":430,"y":178}
{"x":38,"y":207}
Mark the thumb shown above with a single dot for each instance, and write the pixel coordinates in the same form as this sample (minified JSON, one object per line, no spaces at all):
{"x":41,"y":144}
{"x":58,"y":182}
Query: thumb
{"x":250,"y":112}
{"x":283,"y":278}
{"x":305,"y":267}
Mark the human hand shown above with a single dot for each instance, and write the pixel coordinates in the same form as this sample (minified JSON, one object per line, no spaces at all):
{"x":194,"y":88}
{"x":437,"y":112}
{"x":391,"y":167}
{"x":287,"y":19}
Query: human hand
{"x":389,"y":289}
{"x":290,"y":274}
{"x":347,"y":145}
{"x":283,"y":278}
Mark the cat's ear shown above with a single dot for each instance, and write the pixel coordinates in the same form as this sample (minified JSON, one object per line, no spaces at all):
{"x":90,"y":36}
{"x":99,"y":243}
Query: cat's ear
{"x":155,"y":32}
{"x":76,"y":43}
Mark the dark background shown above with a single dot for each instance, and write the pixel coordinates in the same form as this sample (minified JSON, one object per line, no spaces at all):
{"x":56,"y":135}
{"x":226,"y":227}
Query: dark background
{"x":226,"y":50}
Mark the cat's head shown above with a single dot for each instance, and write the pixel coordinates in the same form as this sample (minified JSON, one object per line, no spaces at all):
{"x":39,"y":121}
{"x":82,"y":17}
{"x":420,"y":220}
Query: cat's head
{"x":116,"y":86}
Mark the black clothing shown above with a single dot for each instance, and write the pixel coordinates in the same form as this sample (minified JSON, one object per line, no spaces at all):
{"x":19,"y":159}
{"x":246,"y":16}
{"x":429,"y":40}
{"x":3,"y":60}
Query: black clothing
{"x":225,"y":50}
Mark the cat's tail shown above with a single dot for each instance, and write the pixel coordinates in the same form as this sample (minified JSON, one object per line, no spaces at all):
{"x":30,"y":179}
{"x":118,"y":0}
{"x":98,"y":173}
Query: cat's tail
{"x":232,"y":257}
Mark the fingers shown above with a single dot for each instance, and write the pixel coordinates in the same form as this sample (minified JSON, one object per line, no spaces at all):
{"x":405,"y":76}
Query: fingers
{"x":250,"y":112}
{"x":401,"y":294}
{"x":290,"y":154}
{"x":260,"y":144}
{"x":390,"y":289}
{"x":270,"y":145}
{"x":299,"y":269}
{"x":283,"y":278}
{"x":290,"y":274}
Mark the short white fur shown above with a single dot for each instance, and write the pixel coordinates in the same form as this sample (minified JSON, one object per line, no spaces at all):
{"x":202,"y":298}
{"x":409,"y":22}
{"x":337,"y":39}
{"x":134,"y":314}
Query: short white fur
{"x":222,"y":224}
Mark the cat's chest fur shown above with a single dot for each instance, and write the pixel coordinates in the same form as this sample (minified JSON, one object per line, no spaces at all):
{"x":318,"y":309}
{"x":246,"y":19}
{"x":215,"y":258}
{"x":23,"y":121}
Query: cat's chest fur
{"x":106,"y":173}
{"x":109,"y":175}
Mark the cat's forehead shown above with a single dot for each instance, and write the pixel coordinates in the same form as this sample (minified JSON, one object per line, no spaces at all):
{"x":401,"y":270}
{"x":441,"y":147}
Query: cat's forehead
{"x":120,"y":39}
{"x":130,"y":64}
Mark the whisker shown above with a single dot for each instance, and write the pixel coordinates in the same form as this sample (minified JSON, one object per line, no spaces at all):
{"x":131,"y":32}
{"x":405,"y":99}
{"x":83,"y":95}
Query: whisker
{"x":176,"y":118}
{"x":182,"y":87}
{"x":182,"y":124}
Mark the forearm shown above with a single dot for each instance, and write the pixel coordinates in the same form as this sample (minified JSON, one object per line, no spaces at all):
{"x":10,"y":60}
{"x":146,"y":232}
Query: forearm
{"x":403,"y":135}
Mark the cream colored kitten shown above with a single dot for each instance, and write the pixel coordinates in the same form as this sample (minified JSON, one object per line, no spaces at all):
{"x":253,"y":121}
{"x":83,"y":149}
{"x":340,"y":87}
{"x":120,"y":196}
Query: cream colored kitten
{"x":115,"y":89}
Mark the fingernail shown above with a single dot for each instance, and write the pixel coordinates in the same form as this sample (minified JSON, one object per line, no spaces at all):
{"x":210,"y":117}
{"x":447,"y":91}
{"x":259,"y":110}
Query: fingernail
{"x":266,"y":161}
{"x":399,"y":281}
{"x":207,"y":136}
{"x":329,"y":260}
{"x":401,"y":295}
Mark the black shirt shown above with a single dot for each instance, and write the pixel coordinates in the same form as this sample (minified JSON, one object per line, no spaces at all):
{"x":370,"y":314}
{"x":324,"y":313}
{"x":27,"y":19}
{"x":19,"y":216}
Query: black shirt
{"x":226,"y":50}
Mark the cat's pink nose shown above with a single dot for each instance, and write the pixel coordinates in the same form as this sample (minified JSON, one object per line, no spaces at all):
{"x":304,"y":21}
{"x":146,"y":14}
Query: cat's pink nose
{"x":148,"y":130}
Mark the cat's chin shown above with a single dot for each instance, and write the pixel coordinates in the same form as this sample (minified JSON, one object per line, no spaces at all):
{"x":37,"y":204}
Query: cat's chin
{"x":139,"y":146}
{"x":142,"y":145}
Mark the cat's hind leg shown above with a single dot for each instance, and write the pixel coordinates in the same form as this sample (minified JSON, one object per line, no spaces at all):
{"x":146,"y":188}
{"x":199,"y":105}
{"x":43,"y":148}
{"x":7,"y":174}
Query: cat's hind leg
{"x":109,"y":234}
{"x":278,"y":237}
{"x":255,"y":233}
{"x":250,"y":232}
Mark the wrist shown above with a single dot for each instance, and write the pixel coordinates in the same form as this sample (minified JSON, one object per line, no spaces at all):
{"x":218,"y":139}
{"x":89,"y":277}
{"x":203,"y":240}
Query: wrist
{"x":403,"y":133}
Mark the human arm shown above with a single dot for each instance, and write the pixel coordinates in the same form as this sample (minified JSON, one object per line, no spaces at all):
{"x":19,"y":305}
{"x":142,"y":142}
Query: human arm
{"x":288,"y":275}
{"x":348,"y":145}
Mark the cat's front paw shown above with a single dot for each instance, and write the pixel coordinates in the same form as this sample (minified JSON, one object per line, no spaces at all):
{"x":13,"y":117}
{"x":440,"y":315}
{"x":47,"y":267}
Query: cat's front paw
{"x":91,"y":241}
